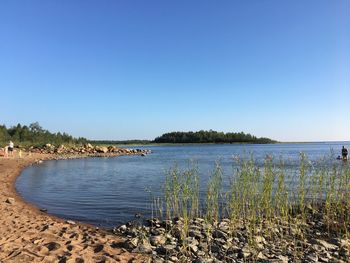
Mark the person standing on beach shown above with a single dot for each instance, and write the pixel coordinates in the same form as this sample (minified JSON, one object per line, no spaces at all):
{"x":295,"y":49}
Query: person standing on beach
{"x":344,"y":153}
{"x":10,"y":148}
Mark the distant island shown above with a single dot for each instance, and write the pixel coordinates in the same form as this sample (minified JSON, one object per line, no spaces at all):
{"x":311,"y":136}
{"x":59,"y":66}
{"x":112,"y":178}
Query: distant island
{"x":211,"y":137}
{"x":195,"y":137}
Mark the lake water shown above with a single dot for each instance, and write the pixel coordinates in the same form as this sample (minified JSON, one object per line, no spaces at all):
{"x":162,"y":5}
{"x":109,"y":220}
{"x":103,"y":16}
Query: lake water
{"x":109,"y":191}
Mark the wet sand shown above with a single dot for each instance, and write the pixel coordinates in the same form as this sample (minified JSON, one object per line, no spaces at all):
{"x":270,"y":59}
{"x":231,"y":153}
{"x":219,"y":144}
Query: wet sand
{"x":29,"y":235}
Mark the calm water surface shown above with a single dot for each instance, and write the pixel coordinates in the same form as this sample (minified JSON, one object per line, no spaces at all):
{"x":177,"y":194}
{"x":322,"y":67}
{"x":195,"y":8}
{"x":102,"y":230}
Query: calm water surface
{"x":109,"y":191}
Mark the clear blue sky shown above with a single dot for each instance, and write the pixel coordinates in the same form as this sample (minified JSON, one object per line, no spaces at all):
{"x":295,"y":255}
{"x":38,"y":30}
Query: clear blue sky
{"x":136,"y":69}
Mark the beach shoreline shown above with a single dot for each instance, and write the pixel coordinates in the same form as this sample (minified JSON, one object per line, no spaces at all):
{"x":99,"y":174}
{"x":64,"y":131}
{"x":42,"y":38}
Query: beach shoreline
{"x":30,"y":235}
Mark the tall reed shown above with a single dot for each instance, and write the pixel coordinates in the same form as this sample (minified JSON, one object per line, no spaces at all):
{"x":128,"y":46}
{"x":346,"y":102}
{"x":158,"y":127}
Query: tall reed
{"x":261,"y":196}
{"x":213,"y":194}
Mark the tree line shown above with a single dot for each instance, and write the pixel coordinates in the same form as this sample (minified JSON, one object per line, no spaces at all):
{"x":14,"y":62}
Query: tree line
{"x":35,"y":135}
{"x":109,"y":142}
{"x":210,"y":137}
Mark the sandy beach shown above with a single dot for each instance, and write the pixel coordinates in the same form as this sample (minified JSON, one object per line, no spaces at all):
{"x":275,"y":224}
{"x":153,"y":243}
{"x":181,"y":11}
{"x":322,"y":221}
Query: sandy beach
{"x":29,"y":235}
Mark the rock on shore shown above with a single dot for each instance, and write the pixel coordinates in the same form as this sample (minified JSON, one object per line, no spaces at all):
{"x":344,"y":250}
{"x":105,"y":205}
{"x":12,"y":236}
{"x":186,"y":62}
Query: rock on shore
{"x":86,"y":149}
{"x":219,"y":242}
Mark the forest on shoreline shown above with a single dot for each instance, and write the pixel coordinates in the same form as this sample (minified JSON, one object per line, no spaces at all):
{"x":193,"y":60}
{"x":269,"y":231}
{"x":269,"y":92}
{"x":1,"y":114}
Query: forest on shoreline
{"x":35,"y":135}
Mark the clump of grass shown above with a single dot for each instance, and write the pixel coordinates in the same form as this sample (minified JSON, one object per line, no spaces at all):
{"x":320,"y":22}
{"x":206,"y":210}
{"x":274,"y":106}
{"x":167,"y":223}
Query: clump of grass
{"x":243,"y":194}
{"x":181,"y":194}
{"x":266,"y":197}
{"x":262,"y":197}
{"x":301,"y":192}
{"x":281,"y":200}
{"x":213,"y":194}
{"x":172,"y":190}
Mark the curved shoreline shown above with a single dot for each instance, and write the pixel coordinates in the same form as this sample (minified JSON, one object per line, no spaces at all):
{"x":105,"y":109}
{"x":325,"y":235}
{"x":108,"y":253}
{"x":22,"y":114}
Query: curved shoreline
{"x":29,"y":235}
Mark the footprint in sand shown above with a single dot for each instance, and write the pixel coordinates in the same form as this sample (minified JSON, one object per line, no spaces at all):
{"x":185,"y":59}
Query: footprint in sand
{"x":74,"y":235}
{"x":98,"y":248}
{"x":70,"y":247}
{"x":53,"y":246}
{"x":43,"y":250}
{"x":45,"y":227}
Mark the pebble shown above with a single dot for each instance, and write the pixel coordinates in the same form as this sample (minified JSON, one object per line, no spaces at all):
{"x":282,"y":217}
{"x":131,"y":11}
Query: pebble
{"x":157,"y":240}
{"x":217,"y":243}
